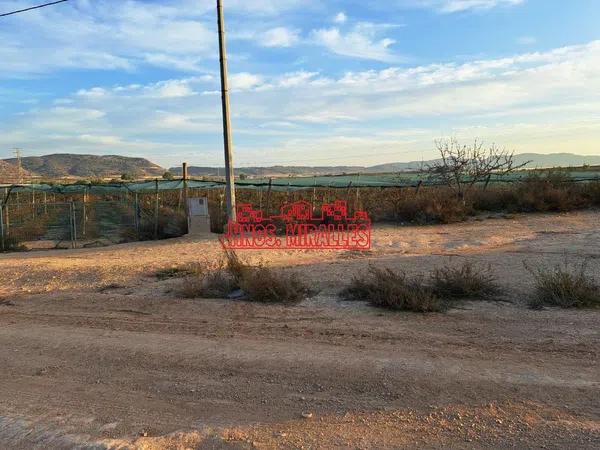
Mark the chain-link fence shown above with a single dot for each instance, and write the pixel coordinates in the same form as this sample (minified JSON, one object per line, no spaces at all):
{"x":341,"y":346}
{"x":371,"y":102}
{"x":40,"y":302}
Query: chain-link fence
{"x":57,"y":221}
{"x":86,"y":215}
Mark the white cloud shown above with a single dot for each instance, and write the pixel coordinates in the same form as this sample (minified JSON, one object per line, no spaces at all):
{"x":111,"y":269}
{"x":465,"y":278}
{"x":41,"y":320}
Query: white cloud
{"x":360,"y":42}
{"x":126,"y":35}
{"x":340,"y":18}
{"x":454,"y":6}
{"x":245,"y":81}
{"x":265,"y":7}
{"x":105,"y":35}
{"x":544,"y":101}
{"x":279,"y":37}
{"x":95,"y":92}
{"x":172,"y":89}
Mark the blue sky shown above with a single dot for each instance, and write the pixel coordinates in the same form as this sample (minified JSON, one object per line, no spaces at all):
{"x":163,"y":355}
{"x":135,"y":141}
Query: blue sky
{"x":313,"y":82}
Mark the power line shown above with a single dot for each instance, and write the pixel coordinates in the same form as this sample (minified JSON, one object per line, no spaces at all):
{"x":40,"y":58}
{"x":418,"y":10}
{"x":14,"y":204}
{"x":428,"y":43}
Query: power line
{"x":31,"y":8}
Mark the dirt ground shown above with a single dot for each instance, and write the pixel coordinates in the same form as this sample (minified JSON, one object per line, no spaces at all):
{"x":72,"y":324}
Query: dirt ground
{"x":97,"y":353}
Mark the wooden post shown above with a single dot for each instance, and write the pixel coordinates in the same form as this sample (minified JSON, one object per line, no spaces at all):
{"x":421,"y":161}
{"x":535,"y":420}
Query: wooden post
{"x":314,"y":196}
{"x":487,"y":182}
{"x":84,"y":211}
{"x":33,"y":201}
{"x":1,"y":226}
{"x":419,"y":184}
{"x":348,"y":196}
{"x":156,"y":210}
{"x":184,"y":172}
{"x":268,"y":209}
{"x":73,"y":225}
{"x":7,"y":219}
{"x":136,"y":218}
{"x":45,"y":203}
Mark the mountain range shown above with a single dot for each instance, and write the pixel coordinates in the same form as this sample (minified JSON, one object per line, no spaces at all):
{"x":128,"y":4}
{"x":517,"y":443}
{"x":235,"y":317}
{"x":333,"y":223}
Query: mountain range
{"x":534,"y":160}
{"x":110,"y":166}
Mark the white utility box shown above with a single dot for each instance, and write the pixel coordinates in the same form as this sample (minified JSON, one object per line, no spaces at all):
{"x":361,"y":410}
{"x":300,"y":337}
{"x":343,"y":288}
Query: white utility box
{"x":198,"y":216}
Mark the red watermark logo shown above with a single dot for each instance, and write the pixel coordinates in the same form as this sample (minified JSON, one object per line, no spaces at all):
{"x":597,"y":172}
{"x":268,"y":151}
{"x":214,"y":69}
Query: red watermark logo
{"x":298,"y":227}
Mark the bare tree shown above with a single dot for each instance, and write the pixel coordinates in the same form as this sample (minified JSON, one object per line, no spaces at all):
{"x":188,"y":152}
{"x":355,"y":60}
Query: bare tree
{"x":461,"y":167}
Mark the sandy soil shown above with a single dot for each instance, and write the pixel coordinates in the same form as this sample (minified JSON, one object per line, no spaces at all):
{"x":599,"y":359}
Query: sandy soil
{"x":96,"y":352}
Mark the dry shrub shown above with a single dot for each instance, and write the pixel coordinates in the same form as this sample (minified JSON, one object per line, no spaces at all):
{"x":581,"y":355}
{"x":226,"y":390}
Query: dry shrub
{"x":385,"y":288}
{"x":495,"y":199}
{"x":263,"y":285}
{"x":432,"y":205}
{"x":551,"y":191}
{"x":566,"y":286}
{"x":465,"y":281}
{"x":257,"y":283}
{"x":216,"y":282}
{"x":235,"y":266}
{"x":12,"y":244}
{"x":592,"y":192}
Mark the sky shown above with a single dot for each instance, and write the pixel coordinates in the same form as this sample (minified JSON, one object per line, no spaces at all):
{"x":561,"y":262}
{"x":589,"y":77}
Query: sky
{"x":313,"y":82}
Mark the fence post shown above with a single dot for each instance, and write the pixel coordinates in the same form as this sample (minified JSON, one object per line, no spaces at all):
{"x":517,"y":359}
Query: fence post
{"x":136,"y":216}
{"x":73,"y":225}
{"x":268,"y":210}
{"x":1,"y":226}
{"x":313,"y":200}
{"x":33,"y":201}
{"x":156,"y":210}
{"x":487,"y":182}
{"x":419,"y":184}
{"x":184,"y":172}
{"x":84,"y":211}
{"x":7,"y":219}
{"x":348,"y":193}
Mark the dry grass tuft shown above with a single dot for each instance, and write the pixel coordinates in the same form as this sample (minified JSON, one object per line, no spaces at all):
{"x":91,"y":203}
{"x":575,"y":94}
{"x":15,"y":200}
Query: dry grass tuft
{"x":264,"y":285}
{"x":257,"y":283}
{"x":465,"y":281}
{"x":385,"y":288}
{"x":235,"y":266}
{"x":210,"y":282}
{"x":564,"y":286}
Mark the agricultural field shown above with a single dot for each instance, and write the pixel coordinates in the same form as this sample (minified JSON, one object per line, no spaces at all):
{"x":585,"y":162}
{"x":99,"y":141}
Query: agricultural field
{"x":100,"y":349}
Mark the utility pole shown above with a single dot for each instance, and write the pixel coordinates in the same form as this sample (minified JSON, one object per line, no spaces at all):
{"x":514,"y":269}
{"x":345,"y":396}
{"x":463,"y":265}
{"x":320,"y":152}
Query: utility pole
{"x":229,"y":174}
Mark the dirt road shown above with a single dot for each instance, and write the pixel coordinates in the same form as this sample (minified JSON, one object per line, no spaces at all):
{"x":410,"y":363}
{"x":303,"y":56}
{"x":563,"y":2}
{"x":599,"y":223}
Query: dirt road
{"x":96,"y":352}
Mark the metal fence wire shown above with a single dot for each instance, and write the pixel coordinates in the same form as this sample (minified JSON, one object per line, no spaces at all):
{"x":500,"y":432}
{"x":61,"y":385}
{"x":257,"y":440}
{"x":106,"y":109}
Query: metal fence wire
{"x":44,"y":216}
{"x":26,"y":225}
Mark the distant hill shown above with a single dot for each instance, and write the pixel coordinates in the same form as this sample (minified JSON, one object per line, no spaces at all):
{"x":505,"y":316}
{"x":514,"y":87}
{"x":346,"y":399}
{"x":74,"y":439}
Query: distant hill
{"x":537,"y":161}
{"x":110,"y":166}
{"x":557,"y":160}
{"x":195,"y":171}
{"x":87,"y":166}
